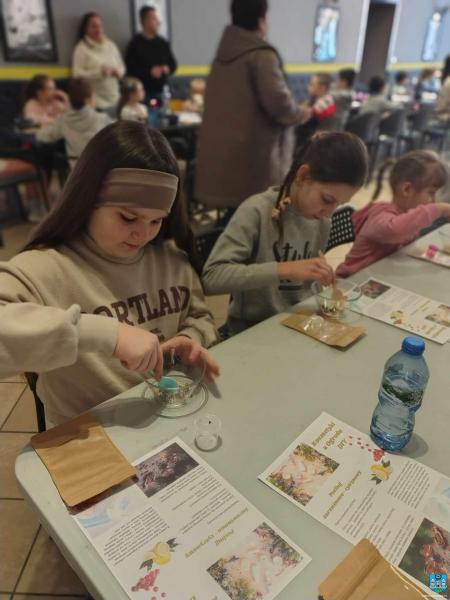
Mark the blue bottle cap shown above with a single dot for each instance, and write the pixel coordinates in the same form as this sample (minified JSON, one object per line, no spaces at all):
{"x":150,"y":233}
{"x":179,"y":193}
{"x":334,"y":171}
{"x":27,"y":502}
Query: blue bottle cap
{"x":413,"y":345}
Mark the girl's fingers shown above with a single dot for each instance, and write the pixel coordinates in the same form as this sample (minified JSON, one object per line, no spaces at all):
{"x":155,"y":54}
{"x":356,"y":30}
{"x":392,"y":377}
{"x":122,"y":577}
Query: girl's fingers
{"x":195,"y":353}
{"x":212,"y":368}
{"x":143,"y":365}
{"x":129,"y":364}
{"x":148,"y":363}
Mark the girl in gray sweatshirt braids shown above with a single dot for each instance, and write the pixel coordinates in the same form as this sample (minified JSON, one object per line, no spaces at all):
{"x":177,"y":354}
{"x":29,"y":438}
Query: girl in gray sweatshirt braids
{"x":268,"y":255}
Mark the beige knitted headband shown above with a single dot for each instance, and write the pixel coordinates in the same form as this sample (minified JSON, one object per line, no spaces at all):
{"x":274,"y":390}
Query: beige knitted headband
{"x":139,"y":188}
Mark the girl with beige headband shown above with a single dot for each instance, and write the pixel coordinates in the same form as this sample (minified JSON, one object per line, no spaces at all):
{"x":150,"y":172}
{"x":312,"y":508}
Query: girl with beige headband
{"x":104,"y":276}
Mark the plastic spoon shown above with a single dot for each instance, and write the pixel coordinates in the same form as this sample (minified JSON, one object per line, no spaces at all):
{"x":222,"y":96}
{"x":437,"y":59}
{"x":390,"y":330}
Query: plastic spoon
{"x":336,"y":295}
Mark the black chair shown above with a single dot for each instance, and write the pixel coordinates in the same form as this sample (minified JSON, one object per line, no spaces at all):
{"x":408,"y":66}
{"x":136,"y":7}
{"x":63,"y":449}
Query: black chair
{"x":341,"y":231}
{"x":391,"y":128}
{"x":204,"y":243}
{"x":40,"y":413}
{"x":438,"y":133}
{"x":22,"y":165}
{"x":17,"y":172}
{"x":9,"y":110}
{"x":333,"y":123}
{"x":366,"y":126}
{"x":413,"y":138}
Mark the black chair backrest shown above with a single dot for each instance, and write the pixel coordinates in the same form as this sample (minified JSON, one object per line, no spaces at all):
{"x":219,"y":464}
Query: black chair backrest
{"x":393,"y":124}
{"x":9,"y":111}
{"x":364,"y":126}
{"x":204,"y":243}
{"x":421,"y":117}
{"x":40,"y":413}
{"x":341,"y":231}
{"x":333,"y":123}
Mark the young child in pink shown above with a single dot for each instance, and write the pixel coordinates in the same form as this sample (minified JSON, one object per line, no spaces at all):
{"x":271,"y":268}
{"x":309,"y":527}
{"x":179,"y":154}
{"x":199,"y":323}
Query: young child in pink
{"x":383,"y":227}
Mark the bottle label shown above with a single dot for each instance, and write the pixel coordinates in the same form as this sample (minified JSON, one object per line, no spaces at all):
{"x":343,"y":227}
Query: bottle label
{"x":408,"y":397}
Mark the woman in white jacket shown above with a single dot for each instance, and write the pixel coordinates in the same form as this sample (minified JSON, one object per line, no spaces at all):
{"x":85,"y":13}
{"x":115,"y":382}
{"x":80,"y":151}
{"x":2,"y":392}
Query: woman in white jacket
{"x":98,"y":59}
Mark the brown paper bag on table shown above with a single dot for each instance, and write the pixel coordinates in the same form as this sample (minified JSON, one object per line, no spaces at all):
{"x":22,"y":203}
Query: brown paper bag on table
{"x":332,"y":333}
{"x":81,"y":458}
{"x":365,"y":575}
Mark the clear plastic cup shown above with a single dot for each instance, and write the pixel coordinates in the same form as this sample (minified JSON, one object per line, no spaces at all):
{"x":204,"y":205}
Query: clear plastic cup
{"x":207,"y":432}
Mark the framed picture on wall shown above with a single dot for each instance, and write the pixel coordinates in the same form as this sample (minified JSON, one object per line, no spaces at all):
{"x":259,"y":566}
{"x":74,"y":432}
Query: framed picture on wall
{"x":325,"y":34}
{"x":163,"y":8}
{"x":27,"y":31}
{"x":432,"y":37}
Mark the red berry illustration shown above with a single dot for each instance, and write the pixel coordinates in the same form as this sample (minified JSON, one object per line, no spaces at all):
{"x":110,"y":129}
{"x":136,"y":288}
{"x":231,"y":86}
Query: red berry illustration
{"x":378,"y":454}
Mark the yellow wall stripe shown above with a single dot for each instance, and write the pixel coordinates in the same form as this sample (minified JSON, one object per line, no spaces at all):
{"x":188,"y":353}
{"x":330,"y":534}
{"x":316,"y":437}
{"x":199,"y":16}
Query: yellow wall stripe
{"x":414,"y":66}
{"x":25,"y":72}
{"x":192,"y":70}
{"x":58,"y":72}
{"x":318,"y":67}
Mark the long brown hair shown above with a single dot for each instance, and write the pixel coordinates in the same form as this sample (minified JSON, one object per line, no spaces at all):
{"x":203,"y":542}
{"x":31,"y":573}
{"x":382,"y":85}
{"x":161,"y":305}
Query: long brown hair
{"x":422,"y":168}
{"x":123,"y":144}
{"x":332,"y":157}
{"x":35,"y":84}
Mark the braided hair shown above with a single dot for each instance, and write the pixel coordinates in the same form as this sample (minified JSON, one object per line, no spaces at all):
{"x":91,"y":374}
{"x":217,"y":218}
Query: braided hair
{"x":332,"y":157}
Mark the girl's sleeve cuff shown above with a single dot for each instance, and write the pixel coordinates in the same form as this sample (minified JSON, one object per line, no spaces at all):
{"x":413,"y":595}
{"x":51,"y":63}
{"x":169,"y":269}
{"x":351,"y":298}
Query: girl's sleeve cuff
{"x":97,"y":333}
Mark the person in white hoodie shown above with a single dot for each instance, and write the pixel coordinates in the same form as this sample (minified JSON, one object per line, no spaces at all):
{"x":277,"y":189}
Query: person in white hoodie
{"x":78,"y":125}
{"x":98,"y":59}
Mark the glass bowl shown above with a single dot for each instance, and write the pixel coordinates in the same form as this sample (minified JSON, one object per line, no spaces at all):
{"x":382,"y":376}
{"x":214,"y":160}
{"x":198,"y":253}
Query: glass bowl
{"x":328,"y":304}
{"x":179,"y":391}
{"x":444,"y":234}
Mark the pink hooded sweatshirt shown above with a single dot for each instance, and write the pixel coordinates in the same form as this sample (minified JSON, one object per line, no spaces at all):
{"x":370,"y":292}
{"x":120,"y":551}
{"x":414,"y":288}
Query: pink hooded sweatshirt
{"x":382,"y":228}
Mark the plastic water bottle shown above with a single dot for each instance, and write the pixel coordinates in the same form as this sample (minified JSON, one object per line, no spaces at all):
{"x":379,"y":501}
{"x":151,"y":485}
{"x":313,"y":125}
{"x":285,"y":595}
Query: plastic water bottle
{"x":166,"y":97}
{"x":405,"y":378}
{"x":153,"y":113}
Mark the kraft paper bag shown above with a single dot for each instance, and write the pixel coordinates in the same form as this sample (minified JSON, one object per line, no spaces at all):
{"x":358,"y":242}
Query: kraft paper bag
{"x":81,"y":459}
{"x":332,"y":333}
{"x":365,"y":575}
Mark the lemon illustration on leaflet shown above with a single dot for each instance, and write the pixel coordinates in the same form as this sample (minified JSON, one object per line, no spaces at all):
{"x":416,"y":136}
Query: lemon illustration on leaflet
{"x":160,"y":554}
{"x":381,"y":472}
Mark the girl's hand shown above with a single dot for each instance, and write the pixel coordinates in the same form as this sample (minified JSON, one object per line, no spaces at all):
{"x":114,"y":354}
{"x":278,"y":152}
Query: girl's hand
{"x":61,"y":95}
{"x":190,"y":353}
{"x":311,"y":269}
{"x":139,"y":350}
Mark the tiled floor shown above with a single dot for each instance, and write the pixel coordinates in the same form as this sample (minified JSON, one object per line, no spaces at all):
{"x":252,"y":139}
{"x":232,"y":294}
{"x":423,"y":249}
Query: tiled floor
{"x":30,"y":562}
{"x":31,"y":567}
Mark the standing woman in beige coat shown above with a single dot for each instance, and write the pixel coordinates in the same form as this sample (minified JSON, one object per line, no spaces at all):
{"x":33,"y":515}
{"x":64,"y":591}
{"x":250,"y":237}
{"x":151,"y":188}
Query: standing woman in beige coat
{"x":246,"y":140}
{"x":98,"y":59}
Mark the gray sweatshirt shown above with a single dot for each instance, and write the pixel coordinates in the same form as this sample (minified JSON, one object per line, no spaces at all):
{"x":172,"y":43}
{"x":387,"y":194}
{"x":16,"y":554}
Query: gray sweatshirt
{"x":76,"y":127}
{"x":244,"y":260}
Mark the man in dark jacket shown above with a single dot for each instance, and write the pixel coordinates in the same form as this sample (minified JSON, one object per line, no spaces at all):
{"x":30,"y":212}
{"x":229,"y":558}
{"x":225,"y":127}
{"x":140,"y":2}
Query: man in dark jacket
{"x":149,"y":56}
{"x":246,"y":138}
